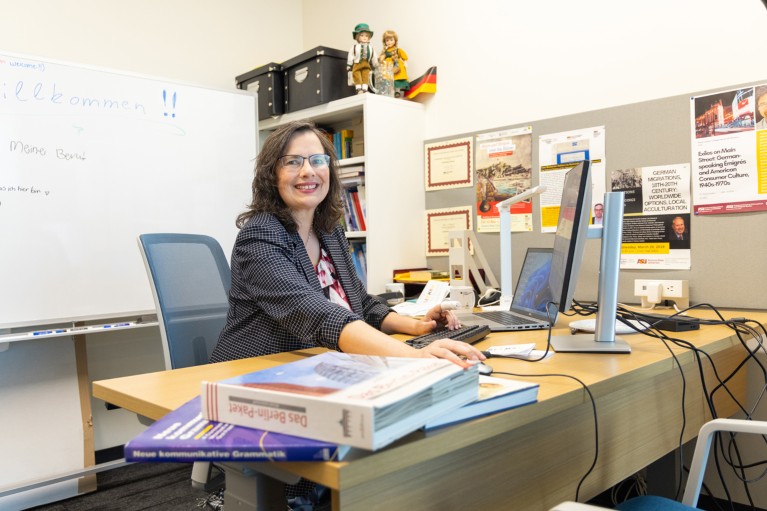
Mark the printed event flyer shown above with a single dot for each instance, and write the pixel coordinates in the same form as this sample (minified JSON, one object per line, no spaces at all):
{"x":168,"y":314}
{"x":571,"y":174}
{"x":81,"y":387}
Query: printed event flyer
{"x":557,"y":154}
{"x":729,"y":151}
{"x":656,"y":221}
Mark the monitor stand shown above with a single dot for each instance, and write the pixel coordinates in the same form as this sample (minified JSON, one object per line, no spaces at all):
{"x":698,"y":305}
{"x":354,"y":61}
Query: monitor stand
{"x":603,"y":340}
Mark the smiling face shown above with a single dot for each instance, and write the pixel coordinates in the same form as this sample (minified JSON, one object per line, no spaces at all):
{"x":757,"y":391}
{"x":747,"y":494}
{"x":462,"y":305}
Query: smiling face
{"x":678,"y":225}
{"x":303,"y":189}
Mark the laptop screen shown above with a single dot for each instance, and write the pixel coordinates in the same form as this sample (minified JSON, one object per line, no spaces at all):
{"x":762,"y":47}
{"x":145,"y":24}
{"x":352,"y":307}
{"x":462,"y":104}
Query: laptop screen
{"x":532,"y":292}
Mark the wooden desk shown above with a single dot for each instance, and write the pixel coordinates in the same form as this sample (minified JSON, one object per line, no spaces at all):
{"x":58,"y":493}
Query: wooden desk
{"x":528,"y":458}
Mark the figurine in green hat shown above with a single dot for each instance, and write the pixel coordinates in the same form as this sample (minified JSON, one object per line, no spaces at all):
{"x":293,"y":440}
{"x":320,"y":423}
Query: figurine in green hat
{"x":361,"y":58}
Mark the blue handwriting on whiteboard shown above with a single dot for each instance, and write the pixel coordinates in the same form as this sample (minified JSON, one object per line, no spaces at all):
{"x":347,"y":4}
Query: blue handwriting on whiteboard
{"x":24,"y":92}
{"x":165,"y":102}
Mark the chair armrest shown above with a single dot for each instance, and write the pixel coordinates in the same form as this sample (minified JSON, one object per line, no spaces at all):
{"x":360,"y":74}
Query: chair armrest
{"x":703,"y":447}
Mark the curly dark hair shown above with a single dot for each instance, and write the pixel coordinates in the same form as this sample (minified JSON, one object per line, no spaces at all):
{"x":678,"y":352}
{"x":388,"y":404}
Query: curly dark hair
{"x":266,"y":195}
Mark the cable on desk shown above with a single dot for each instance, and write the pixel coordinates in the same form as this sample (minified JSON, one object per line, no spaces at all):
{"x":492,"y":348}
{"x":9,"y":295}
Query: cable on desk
{"x":593,"y":409}
{"x":551,"y":319}
{"x":726,"y":452}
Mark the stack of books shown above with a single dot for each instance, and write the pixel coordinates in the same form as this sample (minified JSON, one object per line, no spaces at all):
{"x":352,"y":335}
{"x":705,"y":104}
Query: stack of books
{"x":326,"y":407}
{"x":358,"y":400}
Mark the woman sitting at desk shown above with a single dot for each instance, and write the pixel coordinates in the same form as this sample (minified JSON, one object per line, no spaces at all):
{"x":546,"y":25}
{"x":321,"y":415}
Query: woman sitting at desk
{"x":293,"y":282}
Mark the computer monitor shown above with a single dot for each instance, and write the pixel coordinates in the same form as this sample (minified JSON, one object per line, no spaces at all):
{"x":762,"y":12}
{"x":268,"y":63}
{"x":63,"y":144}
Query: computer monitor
{"x":569,"y":242}
{"x":572,"y":229}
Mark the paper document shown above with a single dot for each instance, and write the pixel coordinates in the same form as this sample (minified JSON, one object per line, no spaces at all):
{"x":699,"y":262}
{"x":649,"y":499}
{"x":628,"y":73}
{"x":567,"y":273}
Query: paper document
{"x":433,"y":294}
{"x":521,"y":351}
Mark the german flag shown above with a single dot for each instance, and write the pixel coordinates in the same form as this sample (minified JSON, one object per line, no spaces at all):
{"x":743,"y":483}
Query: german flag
{"x":426,"y":83}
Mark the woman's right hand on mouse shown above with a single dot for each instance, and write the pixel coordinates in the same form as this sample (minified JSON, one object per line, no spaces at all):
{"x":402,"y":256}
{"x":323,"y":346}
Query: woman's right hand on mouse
{"x":455,"y":351}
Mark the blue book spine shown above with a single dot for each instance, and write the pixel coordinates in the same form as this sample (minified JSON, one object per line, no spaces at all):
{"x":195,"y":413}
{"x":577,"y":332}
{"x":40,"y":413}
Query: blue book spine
{"x":183,"y":435}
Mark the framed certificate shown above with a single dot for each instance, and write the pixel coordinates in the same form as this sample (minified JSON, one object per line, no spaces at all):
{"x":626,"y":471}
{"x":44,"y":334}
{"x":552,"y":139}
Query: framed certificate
{"x":448,"y":164}
{"x":439,"y":223}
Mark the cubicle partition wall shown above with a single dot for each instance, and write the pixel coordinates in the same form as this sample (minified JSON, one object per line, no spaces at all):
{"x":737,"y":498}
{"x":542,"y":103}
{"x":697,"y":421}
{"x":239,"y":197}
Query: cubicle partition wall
{"x":727,"y":250}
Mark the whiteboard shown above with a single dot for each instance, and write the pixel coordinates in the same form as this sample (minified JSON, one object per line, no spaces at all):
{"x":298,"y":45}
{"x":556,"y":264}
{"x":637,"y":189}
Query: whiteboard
{"x":91,"y":158}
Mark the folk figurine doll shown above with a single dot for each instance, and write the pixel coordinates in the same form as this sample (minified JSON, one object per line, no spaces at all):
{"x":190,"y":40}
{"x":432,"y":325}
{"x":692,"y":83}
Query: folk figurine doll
{"x":395,"y":55}
{"x":361,"y":58}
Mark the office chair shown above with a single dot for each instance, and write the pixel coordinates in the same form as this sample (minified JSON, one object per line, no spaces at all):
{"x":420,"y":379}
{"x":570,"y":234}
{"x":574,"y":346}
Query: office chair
{"x":695,"y":477}
{"x":190,"y":279}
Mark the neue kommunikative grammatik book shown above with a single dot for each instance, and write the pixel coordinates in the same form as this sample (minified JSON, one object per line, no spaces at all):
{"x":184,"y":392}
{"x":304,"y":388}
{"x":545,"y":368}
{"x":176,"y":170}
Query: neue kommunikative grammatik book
{"x":495,"y":395}
{"x":358,"y":400}
{"x":184,"y":435}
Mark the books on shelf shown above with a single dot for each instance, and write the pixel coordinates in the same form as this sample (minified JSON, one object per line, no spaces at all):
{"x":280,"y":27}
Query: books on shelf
{"x":358,"y":251}
{"x":358,"y":400}
{"x":356,"y":203}
{"x":343,"y":142}
{"x":495,"y":395}
{"x":184,"y":435}
{"x":351,"y":172}
{"x":354,"y":208}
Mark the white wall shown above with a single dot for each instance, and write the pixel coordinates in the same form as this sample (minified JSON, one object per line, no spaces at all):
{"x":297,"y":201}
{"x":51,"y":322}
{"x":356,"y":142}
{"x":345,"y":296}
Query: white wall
{"x":203,"y":42}
{"x":504,"y":62}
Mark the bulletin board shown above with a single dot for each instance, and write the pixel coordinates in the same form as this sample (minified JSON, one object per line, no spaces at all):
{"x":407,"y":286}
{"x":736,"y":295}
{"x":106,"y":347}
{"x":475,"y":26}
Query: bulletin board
{"x":728,"y":266}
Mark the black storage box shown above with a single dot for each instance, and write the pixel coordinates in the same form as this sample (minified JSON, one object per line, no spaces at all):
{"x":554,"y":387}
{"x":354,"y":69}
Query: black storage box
{"x":315,"y":77}
{"x":267,"y":82}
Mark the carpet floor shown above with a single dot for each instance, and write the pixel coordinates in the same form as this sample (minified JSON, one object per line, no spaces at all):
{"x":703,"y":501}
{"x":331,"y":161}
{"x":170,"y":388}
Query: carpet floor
{"x":139,"y":486}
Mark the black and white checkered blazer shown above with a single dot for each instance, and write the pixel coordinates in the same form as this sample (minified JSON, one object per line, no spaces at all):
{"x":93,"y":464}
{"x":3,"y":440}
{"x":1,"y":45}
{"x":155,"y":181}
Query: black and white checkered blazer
{"x":276,"y":302}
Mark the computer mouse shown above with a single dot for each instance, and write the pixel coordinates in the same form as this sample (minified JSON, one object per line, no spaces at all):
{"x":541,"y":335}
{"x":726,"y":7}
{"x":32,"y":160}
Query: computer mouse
{"x":483,"y":368}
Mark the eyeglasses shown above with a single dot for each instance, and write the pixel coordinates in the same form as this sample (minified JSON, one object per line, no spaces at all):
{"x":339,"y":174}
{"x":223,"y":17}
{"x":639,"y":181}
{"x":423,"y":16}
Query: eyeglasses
{"x":295,"y":162}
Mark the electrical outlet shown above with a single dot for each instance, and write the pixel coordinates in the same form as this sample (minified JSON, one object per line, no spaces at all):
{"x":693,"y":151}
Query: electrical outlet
{"x":676,"y":289}
{"x":653,"y":292}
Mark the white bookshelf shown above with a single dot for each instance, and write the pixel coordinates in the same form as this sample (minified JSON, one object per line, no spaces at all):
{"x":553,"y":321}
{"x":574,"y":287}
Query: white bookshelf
{"x":394,"y":175}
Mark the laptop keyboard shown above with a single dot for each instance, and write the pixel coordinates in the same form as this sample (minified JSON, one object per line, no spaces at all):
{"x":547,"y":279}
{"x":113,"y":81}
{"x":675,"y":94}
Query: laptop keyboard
{"x":505,"y":318}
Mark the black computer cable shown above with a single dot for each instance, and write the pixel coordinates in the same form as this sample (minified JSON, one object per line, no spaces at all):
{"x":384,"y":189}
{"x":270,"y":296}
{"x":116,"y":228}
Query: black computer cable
{"x":741,"y":326}
{"x":585,"y":387}
{"x":627,"y":315}
{"x":593,"y":409}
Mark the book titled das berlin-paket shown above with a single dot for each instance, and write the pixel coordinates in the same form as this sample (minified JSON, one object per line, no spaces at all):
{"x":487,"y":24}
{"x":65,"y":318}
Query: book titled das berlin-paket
{"x":184,"y":435}
{"x":358,"y":400}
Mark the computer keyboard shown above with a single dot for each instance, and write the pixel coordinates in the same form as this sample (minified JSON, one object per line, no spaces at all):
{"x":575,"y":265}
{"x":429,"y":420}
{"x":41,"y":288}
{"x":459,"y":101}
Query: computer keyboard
{"x":468,"y":334}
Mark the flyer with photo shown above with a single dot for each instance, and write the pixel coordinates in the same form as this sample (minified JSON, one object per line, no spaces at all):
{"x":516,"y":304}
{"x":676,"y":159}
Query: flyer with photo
{"x":656,"y":222}
{"x":729,"y":151}
{"x":557,"y":154}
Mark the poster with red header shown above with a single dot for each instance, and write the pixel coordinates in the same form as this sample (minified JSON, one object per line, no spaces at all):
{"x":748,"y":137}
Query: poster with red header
{"x":729,"y":151}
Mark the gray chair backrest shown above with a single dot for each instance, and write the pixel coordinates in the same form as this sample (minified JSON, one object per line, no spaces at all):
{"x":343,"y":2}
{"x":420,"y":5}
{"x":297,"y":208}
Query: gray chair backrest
{"x":190,"y":279}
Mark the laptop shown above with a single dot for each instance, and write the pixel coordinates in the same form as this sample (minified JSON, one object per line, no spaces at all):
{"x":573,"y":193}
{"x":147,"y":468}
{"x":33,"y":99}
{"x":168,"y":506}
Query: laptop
{"x":528,"y":307}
